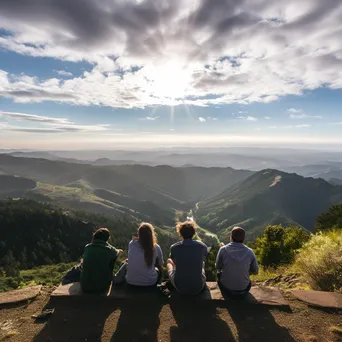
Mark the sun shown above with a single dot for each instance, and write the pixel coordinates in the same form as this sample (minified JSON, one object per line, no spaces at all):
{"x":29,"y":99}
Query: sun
{"x":169,"y":82}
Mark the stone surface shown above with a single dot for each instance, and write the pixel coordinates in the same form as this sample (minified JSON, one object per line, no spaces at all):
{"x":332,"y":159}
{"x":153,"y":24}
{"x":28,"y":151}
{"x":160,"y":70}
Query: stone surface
{"x":258,"y":295}
{"x":16,"y":296}
{"x":73,"y":289}
{"x":319,"y":298}
{"x":265,"y":295}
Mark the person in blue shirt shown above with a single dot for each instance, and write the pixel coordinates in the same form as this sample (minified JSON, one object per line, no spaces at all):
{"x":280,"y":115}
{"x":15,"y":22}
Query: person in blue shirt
{"x":186,"y":264}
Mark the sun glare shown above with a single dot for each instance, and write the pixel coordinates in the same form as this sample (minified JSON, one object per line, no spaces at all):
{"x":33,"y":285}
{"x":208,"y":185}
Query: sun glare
{"x":169,"y":81}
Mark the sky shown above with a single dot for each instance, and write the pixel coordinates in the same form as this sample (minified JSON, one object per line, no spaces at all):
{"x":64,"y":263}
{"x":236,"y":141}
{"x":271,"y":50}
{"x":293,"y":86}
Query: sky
{"x":110,"y":74}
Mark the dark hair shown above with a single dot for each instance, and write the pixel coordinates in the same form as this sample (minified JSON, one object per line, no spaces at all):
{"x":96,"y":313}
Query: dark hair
{"x":186,"y":229}
{"x":238,"y":234}
{"x":148,"y":241}
{"x":101,"y":234}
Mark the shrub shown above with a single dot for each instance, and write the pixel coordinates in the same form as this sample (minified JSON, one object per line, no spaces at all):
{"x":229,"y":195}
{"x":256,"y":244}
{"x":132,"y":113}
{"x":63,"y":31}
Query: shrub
{"x":330,"y":219}
{"x":320,"y":260}
{"x":278,"y":245}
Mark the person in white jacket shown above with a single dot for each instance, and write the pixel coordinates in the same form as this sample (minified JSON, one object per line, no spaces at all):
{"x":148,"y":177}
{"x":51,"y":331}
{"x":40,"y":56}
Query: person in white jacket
{"x":235,"y":262}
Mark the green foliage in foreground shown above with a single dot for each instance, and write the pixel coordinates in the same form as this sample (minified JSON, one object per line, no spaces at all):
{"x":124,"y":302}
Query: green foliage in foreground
{"x":49,"y":275}
{"x":320,"y":260}
{"x":278,"y":245}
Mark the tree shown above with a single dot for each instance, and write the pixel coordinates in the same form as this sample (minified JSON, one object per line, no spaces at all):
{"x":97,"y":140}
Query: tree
{"x":278,"y":245}
{"x":331,"y":219}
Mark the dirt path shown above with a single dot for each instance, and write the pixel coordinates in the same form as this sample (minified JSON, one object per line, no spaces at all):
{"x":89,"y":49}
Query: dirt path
{"x":102,"y":319}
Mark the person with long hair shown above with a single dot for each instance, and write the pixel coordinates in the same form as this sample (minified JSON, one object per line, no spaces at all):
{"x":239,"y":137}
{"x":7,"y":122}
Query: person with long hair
{"x":145,"y":259}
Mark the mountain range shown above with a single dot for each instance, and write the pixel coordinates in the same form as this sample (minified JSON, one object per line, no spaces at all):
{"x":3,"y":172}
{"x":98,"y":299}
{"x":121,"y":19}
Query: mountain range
{"x":218,"y":198}
{"x":268,"y":197}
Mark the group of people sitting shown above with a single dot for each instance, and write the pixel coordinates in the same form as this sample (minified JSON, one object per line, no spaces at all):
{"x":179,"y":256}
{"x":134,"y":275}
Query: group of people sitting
{"x":185,"y":266}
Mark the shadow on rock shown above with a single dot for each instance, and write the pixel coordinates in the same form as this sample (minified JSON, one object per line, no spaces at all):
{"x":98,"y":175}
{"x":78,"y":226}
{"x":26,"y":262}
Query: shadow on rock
{"x":198,"y":321}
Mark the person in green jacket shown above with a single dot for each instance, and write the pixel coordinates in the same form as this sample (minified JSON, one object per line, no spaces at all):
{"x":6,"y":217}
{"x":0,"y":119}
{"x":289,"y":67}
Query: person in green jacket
{"x":98,"y":263}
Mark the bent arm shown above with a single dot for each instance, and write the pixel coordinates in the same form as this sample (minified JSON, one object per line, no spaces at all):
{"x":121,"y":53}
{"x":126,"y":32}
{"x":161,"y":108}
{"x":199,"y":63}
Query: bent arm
{"x":160,"y":259}
{"x":254,"y":268}
{"x":219,"y":260}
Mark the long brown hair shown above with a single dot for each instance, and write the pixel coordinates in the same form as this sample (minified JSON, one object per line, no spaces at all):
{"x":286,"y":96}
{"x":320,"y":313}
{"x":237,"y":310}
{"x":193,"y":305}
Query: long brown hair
{"x":148,"y":241}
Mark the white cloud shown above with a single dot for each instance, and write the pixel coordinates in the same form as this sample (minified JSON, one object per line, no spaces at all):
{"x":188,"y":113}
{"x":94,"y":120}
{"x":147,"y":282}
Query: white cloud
{"x":267,"y":117}
{"x":305,"y":116}
{"x":294,"y":110}
{"x":150,"y":118}
{"x":302,"y":126}
{"x":169,"y":53}
{"x":248,"y":118}
{"x":32,"y":117}
{"x":63,"y":73}
{"x":201,"y":119}
{"x":47,"y":124}
{"x":290,"y":126}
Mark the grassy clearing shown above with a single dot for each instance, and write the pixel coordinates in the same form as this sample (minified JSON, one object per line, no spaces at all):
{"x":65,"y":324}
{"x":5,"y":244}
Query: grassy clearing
{"x":46,"y":275}
{"x":266,"y":274}
{"x":49,"y":275}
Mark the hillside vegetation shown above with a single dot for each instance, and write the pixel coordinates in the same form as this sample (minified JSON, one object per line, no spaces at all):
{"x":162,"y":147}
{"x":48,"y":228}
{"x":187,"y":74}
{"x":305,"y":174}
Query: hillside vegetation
{"x":11,"y":186}
{"x":34,"y":234}
{"x":266,"y":198}
{"x":144,"y":192}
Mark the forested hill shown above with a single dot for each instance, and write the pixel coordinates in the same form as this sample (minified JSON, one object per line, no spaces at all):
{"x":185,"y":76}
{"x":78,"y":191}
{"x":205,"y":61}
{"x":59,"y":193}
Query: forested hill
{"x":11,"y":186}
{"x":33,"y":234}
{"x":268,"y":197}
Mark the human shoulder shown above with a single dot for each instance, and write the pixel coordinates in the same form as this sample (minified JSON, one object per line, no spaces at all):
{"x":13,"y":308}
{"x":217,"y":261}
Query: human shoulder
{"x":134,"y":243}
{"x":250,"y":250}
{"x":177,"y":244}
{"x":201,"y":243}
{"x":111,"y":248}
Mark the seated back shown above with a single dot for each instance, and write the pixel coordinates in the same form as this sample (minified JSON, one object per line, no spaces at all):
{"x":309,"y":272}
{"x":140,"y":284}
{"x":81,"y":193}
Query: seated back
{"x":98,"y":263}
{"x":237,"y":262}
{"x":138,"y":272}
{"x":189,"y":256}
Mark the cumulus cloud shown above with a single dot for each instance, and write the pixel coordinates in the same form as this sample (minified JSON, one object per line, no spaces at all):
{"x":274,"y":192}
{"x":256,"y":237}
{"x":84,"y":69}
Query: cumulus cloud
{"x":201,"y":119}
{"x":147,"y":53}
